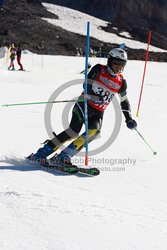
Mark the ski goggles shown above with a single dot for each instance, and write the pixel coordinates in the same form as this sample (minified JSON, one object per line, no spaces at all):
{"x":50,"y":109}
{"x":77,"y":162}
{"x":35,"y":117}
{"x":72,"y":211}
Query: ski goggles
{"x":118,"y":65}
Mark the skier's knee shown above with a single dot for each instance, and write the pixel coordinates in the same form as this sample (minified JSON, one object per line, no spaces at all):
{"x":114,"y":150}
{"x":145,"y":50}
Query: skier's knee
{"x":73,"y":132}
{"x":93,"y":132}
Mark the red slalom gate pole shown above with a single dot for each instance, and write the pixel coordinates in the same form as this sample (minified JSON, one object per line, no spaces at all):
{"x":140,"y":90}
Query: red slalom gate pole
{"x":147,"y":53}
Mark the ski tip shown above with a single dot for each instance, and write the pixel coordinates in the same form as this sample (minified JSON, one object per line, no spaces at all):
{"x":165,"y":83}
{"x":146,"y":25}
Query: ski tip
{"x":89,"y":171}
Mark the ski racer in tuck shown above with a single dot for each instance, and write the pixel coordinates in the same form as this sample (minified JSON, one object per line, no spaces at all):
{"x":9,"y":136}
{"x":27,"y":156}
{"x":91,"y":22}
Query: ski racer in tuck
{"x":104,"y":81}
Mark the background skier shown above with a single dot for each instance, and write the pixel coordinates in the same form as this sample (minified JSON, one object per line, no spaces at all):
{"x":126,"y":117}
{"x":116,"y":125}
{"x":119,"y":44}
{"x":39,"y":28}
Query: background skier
{"x":12,"y":54}
{"x":18,"y":53}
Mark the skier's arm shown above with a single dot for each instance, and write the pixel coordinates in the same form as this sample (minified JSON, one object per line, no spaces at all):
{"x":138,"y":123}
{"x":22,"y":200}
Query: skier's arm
{"x":93,"y":74}
{"x":125,"y":106}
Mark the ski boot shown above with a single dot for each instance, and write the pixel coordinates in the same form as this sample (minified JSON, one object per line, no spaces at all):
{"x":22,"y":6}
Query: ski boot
{"x":62,"y":159}
{"x":41,"y":155}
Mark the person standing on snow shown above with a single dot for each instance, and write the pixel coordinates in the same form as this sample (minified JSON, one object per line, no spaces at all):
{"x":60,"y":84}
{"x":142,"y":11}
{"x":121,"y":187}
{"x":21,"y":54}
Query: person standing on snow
{"x":18,"y":53}
{"x":104,"y":81}
{"x":12,"y":54}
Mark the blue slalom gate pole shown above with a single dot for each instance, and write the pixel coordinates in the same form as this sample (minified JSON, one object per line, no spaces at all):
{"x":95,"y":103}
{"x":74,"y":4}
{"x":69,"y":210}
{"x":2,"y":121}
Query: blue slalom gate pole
{"x":85,"y":93}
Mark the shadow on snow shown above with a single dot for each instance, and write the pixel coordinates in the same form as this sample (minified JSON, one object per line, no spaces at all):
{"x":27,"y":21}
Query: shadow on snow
{"x":16,"y":164}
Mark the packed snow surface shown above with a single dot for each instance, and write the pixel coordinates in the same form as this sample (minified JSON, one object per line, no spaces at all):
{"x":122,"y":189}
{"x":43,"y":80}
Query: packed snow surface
{"x":124,"y":208}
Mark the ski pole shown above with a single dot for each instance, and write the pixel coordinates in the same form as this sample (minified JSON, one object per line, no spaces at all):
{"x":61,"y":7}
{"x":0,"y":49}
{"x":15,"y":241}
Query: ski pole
{"x":35,"y":103}
{"x":153,"y":151}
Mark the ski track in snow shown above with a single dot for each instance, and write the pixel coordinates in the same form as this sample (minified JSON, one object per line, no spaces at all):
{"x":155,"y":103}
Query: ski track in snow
{"x":118,"y":210}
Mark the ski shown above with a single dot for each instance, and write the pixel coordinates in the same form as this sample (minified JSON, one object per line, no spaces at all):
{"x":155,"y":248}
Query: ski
{"x":89,"y":171}
{"x":72,"y":169}
{"x":66,"y":168}
{"x":69,"y":169}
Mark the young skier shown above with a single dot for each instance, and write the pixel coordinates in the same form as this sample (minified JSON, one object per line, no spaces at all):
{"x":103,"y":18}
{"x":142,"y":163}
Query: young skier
{"x":104,"y":82}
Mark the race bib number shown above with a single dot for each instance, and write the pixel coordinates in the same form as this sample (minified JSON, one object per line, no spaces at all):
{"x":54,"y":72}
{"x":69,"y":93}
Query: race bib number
{"x":103,"y":92}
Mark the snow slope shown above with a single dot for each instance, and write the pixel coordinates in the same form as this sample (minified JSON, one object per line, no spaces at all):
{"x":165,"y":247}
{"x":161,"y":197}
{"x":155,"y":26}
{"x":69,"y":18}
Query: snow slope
{"x":76,"y":22}
{"x":124,"y":208}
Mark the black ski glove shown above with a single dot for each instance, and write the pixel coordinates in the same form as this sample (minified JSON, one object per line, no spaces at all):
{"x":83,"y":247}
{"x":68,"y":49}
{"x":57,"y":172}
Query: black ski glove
{"x":131,"y":124}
